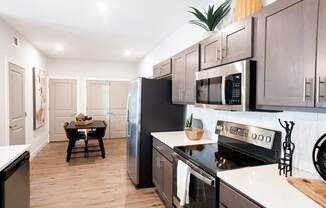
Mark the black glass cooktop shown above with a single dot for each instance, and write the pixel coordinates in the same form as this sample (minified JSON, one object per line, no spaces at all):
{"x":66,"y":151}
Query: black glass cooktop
{"x":213,"y":157}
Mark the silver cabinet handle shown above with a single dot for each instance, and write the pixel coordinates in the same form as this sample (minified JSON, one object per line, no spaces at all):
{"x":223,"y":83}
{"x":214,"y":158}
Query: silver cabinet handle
{"x":305,"y":83}
{"x":319,"y":95}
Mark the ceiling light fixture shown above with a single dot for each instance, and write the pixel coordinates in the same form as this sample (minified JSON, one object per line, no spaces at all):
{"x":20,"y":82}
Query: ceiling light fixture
{"x":102,"y":7}
{"x":59,"y":47}
{"x":127,"y":53}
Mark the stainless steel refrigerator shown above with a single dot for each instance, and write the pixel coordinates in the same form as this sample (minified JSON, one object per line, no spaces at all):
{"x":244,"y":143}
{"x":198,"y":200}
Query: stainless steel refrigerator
{"x":150,"y":109}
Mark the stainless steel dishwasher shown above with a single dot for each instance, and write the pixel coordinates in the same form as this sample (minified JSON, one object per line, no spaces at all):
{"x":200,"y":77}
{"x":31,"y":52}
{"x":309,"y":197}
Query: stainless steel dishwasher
{"x":15,"y":184}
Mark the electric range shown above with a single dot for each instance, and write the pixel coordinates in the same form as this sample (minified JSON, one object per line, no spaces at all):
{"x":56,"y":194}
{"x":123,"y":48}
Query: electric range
{"x":238,"y":146}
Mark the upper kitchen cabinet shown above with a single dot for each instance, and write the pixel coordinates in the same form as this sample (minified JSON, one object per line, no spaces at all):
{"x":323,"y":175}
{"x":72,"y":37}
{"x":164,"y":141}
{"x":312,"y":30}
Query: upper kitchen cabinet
{"x":237,"y":41}
{"x":286,"y":54}
{"x":231,"y":44}
{"x":211,"y":51}
{"x":162,"y":69}
{"x":184,"y":68}
{"x":321,"y":57}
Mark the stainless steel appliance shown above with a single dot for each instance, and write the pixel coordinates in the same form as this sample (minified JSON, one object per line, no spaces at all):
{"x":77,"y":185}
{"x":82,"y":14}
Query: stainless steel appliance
{"x":238,"y":146}
{"x":15,"y":184}
{"x":149,"y":110}
{"x":227,"y":87}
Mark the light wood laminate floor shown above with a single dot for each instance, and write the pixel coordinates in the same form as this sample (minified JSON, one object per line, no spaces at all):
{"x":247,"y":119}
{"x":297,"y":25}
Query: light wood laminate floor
{"x":86,"y":183}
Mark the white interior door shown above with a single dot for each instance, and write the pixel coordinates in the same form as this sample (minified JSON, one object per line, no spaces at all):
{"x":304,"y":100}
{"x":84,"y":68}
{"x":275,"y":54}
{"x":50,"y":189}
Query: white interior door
{"x":16,"y":105}
{"x":97,"y":100}
{"x":118,"y":109}
{"x":63,"y":106}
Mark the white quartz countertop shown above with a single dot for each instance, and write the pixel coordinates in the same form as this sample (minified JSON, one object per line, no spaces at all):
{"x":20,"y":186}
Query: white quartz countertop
{"x":264,"y":185}
{"x":9,"y":154}
{"x":179,"y":138}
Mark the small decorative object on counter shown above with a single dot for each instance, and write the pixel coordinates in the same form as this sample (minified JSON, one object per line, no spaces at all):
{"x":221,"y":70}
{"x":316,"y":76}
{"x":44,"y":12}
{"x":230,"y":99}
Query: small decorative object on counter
{"x":285,"y":163}
{"x":196,"y":132}
{"x":319,"y":156}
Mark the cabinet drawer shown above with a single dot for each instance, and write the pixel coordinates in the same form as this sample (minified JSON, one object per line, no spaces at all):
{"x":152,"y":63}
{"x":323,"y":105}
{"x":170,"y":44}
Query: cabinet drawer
{"x":230,"y":198}
{"x":165,"y":68}
{"x":163,"y":149}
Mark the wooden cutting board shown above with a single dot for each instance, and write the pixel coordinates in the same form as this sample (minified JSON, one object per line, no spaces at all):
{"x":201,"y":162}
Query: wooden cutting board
{"x":314,"y":189}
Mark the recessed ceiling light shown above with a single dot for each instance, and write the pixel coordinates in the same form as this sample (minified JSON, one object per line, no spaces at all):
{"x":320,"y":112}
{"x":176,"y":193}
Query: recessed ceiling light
{"x":102,"y":7}
{"x":127,"y":53}
{"x":59,"y":47}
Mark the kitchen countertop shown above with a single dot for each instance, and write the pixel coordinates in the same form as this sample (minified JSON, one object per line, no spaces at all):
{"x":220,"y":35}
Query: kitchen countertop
{"x":179,"y":138}
{"x":8,"y":154}
{"x":264,"y":185}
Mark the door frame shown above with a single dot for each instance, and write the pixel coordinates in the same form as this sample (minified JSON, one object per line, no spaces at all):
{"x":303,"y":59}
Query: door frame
{"x":8,"y":61}
{"x":48,"y":97}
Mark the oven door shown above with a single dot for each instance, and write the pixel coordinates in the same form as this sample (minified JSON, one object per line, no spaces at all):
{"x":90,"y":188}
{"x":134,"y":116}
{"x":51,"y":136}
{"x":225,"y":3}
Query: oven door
{"x":202,"y":188}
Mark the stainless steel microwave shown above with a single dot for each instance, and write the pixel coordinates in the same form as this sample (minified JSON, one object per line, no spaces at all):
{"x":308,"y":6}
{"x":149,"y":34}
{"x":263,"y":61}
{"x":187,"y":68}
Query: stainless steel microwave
{"x":228,"y":87}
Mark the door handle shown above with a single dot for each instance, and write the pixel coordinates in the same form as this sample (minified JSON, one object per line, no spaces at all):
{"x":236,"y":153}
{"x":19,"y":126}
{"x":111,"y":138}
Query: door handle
{"x":12,"y":127}
{"x":319,"y":95}
{"x":305,"y":83}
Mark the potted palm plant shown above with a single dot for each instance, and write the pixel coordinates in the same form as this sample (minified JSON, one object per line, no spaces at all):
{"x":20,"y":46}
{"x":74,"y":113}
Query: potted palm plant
{"x":212,"y":17}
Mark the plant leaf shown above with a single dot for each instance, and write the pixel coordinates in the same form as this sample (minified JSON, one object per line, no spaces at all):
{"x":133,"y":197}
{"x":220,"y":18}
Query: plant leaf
{"x":200,"y":24}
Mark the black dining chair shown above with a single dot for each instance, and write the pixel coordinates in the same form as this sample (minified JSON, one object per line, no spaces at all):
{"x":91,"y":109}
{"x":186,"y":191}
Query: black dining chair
{"x":73,"y":135}
{"x":98,"y":134}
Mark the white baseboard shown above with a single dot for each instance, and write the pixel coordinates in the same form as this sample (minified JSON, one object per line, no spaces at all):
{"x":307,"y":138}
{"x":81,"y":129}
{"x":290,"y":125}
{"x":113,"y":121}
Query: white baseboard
{"x":38,"y":149}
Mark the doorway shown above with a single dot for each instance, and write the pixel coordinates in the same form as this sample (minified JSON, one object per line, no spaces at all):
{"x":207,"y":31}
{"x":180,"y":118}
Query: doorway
{"x":63,"y":106}
{"x":16,"y":104}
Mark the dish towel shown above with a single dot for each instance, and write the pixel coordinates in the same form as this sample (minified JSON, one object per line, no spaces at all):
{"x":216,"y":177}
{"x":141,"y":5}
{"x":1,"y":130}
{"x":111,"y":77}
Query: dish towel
{"x":183,"y":181}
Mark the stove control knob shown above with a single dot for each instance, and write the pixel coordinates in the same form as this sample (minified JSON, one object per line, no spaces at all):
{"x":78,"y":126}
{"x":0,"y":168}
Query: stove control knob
{"x":254,"y":136}
{"x":268,"y":139}
{"x":261,"y":138}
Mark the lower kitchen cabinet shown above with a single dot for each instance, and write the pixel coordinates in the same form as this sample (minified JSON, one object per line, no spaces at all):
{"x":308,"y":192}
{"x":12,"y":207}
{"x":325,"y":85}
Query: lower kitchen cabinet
{"x":163,"y":171}
{"x":230,"y":198}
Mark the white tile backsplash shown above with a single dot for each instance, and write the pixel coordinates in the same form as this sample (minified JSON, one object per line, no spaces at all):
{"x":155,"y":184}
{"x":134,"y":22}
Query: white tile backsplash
{"x":308,"y":128}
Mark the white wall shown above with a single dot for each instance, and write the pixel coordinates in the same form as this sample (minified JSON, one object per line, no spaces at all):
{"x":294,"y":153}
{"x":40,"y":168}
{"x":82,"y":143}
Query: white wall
{"x":181,"y":39}
{"x":84,"y":70}
{"x":309,"y":126}
{"x":28,"y":57}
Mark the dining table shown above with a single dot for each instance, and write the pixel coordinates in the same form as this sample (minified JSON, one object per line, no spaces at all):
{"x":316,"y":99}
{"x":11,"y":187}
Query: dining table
{"x":93,"y":127}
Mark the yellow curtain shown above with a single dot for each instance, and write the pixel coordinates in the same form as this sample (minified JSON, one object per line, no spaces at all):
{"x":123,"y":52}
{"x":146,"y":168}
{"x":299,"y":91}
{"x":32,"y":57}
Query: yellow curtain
{"x":244,"y":8}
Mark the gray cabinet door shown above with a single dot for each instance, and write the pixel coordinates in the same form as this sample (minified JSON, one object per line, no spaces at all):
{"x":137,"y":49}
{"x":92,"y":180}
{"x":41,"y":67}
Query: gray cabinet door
{"x":156,"y":71}
{"x":191,"y":57}
{"x":165,"y":68}
{"x":184,"y":68}
{"x":211,"y":52}
{"x":237,"y":41}
{"x":321,"y":57}
{"x":229,"y":198}
{"x":178,"y":78}
{"x":155,"y":168}
{"x":162,"y":69}
{"x":166,"y":181}
{"x":286,"y":54}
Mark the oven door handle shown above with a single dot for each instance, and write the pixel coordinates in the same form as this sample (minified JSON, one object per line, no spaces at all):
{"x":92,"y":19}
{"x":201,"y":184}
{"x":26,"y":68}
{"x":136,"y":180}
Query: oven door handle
{"x":208,"y":181}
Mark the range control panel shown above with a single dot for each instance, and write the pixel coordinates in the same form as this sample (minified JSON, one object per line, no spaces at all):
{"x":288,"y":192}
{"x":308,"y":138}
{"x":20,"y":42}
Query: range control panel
{"x":250,"y":134}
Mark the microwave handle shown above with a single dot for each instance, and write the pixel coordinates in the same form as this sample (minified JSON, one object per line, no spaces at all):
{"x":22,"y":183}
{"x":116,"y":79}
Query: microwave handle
{"x":223,"y":90}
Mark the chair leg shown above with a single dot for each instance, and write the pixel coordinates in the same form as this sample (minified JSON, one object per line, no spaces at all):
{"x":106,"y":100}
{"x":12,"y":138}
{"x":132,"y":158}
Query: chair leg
{"x":86,"y":147}
{"x":69,"y":150}
{"x":100,"y":141}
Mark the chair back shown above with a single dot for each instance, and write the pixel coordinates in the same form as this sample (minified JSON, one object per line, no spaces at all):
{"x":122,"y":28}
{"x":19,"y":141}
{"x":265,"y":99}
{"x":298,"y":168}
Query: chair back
{"x":70,"y":133}
{"x":100,"y":132}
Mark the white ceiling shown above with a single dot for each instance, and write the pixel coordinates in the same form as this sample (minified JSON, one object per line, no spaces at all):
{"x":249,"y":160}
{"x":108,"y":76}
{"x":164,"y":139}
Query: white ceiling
{"x":86,"y":33}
